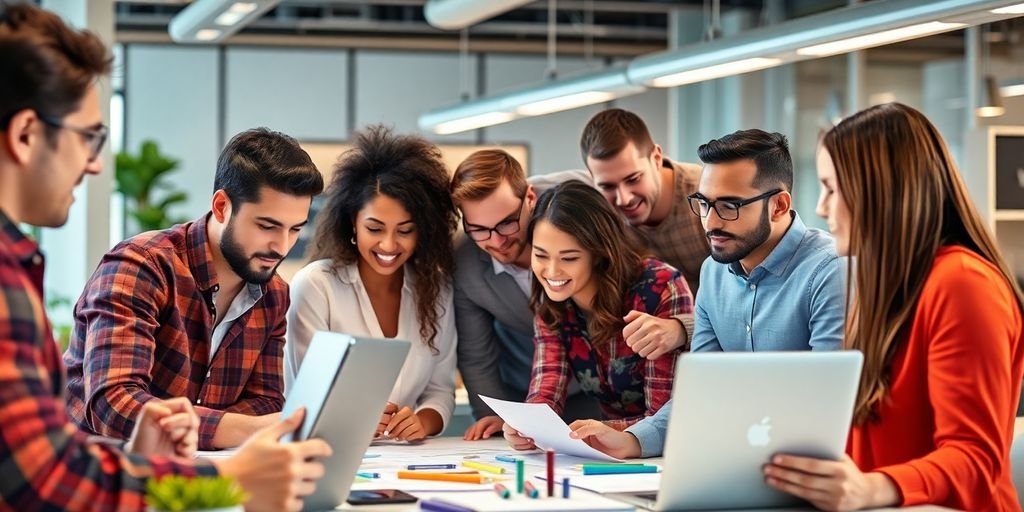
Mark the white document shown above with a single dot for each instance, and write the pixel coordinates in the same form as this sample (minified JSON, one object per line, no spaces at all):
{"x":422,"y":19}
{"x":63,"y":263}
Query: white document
{"x":540,"y":423}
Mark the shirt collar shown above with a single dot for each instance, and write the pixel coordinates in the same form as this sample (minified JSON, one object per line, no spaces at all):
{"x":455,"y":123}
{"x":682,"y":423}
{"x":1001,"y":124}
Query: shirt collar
{"x":778,"y":260}
{"x":200,"y":257}
{"x":24,"y":248}
{"x":511,"y":270}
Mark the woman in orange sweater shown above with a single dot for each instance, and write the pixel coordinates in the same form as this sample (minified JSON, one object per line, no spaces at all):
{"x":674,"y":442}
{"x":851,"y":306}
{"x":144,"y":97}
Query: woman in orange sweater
{"x":937,"y":315}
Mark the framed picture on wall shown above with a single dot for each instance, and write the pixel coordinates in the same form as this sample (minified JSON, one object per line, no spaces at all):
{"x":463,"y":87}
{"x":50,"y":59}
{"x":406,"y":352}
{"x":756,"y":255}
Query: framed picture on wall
{"x":1009,"y":172}
{"x":326,"y":154}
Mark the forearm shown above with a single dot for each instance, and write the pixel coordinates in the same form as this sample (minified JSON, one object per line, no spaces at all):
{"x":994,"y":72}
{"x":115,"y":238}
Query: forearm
{"x":884,"y":492}
{"x":233,"y":429}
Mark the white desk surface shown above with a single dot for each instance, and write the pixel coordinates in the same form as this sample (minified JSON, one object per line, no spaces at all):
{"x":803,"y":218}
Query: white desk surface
{"x":456,"y":444}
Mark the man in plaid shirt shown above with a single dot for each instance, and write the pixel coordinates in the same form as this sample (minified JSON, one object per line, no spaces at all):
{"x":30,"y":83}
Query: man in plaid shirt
{"x":50,"y":137}
{"x":650,"y":192}
{"x":198,"y":310}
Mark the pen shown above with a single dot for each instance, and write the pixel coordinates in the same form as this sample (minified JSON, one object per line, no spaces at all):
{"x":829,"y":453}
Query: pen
{"x":436,"y":505}
{"x":484,"y":467}
{"x":520,"y":470}
{"x":619,"y":471}
{"x":506,"y":458}
{"x":443,"y":477}
{"x":502,"y":491}
{"x":565,"y":487}
{"x":531,"y":491}
{"x":413,"y":467}
{"x":364,"y":474}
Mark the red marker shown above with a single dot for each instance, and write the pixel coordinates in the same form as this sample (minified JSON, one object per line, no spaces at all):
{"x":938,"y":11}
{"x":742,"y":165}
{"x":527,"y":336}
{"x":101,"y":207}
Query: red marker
{"x":551,"y":473}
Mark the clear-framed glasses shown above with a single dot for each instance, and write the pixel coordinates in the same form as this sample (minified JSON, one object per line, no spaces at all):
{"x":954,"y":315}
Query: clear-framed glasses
{"x":727,"y":209}
{"x":94,"y":137}
{"x":505,"y":228}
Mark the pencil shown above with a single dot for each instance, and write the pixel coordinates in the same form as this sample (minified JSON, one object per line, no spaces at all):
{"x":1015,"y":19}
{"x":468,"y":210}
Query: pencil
{"x":484,"y":467}
{"x":443,"y":477}
{"x":531,"y":491}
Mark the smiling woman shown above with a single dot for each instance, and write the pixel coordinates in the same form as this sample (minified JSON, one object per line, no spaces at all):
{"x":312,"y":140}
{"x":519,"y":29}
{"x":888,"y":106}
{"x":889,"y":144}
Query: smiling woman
{"x":382,"y":265}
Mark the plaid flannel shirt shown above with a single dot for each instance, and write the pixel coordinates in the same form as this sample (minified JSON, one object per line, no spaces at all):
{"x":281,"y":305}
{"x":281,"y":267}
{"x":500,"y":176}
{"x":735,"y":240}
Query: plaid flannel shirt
{"x":627,"y":386}
{"x":680,"y":240}
{"x":47,"y":463}
{"x":143,"y":329}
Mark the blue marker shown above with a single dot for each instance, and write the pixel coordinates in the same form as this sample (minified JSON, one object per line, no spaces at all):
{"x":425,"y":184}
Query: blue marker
{"x":413,"y":467}
{"x":565,"y":487}
{"x":506,"y":458}
{"x":364,"y":474}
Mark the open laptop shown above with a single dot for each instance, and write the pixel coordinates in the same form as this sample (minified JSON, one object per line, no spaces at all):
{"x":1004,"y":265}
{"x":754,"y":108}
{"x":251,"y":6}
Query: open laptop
{"x":732,"y":411}
{"x":343,"y":383}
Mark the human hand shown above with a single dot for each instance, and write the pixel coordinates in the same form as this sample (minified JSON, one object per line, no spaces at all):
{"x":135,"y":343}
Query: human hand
{"x":652,"y":337}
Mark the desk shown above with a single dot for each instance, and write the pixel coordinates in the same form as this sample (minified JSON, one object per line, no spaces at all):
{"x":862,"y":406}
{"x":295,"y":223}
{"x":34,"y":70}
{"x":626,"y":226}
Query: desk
{"x":457,"y":445}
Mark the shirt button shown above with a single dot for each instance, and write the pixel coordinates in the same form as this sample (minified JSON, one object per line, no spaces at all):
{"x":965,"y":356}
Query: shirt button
{"x":37,"y":259}
{"x":199,"y":401}
{"x":753,"y":286}
{"x":748,"y":328}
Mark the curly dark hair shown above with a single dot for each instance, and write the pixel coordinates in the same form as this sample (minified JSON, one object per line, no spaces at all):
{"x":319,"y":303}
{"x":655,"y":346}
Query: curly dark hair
{"x":408,"y":169}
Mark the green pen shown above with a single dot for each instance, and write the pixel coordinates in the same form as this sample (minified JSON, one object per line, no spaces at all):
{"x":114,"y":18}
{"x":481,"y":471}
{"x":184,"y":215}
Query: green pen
{"x":520,"y":469}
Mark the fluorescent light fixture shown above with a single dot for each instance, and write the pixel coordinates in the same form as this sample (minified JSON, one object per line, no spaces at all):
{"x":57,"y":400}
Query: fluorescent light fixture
{"x":1012,"y":90}
{"x":207,"y":34}
{"x":235,"y":13}
{"x":1012,"y":9}
{"x":718,"y":71}
{"x":544,"y":98}
{"x":473,"y":122}
{"x":582,"y":99}
{"x":210,"y":21}
{"x":878,"y":38}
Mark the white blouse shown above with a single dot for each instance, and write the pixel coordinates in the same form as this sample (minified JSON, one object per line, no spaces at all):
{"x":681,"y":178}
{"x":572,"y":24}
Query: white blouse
{"x":329,"y":298}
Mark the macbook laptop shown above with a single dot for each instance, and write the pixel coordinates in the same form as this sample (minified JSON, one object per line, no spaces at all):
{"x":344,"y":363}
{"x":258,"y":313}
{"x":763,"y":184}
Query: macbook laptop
{"x":732,"y":411}
{"x":343,"y":383}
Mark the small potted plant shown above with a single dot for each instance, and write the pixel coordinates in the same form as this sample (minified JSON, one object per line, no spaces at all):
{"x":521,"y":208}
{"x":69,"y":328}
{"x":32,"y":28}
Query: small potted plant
{"x":176,"y":493}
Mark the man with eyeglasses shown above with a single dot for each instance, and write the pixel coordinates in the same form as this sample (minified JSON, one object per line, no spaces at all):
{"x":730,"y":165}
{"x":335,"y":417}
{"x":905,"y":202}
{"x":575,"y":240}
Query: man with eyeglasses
{"x":778,"y":285}
{"x":492,"y":284}
{"x":52,"y":132}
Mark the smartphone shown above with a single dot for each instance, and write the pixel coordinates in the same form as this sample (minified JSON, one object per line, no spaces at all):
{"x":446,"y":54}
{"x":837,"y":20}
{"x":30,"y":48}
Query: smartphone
{"x":380,"y":496}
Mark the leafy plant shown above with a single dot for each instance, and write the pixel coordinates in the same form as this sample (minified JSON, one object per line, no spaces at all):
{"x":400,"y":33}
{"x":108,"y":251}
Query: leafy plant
{"x":175,"y":493}
{"x":138,"y":178}
{"x":58,"y":310}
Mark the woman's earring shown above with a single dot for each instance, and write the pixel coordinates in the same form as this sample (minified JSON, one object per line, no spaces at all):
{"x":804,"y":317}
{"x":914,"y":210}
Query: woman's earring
{"x":353,"y":240}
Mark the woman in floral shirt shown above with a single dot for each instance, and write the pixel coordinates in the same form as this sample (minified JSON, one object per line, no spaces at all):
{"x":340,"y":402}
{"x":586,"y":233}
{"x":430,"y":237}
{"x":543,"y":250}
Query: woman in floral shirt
{"x":591,"y":275}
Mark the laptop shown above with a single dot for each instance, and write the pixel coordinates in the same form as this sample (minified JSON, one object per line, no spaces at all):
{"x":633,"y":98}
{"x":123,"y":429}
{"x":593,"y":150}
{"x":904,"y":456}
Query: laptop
{"x":343,"y":382}
{"x":732,"y":411}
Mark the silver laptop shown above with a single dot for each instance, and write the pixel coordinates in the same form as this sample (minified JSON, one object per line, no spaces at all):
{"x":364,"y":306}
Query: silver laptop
{"x":732,"y":411}
{"x":343,"y":383}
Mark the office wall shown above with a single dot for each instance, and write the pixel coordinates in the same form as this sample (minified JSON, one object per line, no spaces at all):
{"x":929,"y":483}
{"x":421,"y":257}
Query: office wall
{"x":192,"y":99}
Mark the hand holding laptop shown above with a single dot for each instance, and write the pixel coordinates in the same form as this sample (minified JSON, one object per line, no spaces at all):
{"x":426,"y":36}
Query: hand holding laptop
{"x":601,"y":437}
{"x":276,"y":475}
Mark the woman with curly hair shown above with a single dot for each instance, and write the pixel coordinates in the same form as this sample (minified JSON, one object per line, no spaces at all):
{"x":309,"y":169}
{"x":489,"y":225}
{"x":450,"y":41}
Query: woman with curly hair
{"x":589,"y":278}
{"x":381,"y":267}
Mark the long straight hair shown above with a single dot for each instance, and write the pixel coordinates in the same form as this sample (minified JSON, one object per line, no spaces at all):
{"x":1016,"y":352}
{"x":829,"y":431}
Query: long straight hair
{"x":579,"y":209}
{"x":906,"y":200}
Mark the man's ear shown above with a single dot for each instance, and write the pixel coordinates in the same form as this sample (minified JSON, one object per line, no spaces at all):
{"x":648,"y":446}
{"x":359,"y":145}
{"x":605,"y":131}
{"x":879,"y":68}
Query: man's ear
{"x":24,"y":132}
{"x":783,"y":204}
{"x":221,"y":206}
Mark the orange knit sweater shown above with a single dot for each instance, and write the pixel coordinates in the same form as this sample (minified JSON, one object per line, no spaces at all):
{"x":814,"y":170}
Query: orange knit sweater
{"x":945,"y":430}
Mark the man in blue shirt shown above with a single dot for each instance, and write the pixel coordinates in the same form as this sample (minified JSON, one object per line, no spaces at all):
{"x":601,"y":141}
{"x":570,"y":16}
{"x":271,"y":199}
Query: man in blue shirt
{"x":771,"y":283}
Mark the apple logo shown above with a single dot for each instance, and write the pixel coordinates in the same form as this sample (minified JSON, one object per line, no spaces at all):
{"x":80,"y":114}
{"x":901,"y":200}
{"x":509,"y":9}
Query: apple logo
{"x":758,"y":433}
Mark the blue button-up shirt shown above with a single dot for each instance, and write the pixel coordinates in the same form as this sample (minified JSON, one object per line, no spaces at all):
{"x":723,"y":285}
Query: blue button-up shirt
{"x":794,"y":300}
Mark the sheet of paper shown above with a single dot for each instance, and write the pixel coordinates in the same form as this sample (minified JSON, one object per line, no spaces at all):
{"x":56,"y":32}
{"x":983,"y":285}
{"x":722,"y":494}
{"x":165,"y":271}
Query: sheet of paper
{"x":540,"y":423}
{"x":491,"y":502}
{"x":604,"y":484}
{"x":216,"y":454}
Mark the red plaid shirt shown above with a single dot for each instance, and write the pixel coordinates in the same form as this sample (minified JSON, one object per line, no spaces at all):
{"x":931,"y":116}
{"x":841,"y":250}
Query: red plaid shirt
{"x":47,"y":463}
{"x":143,"y":329}
{"x":628,"y":387}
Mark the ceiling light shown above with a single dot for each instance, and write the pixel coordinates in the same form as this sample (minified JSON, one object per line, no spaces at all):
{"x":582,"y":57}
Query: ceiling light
{"x":582,"y":99}
{"x":878,"y":38}
{"x":1012,"y":9}
{"x":1012,"y":89}
{"x":473,"y":122}
{"x":207,"y":34}
{"x":718,"y":71}
{"x":216,"y":20}
{"x":992,"y":101}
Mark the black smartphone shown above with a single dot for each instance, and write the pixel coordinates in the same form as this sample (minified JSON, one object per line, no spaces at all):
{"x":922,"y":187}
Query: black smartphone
{"x":380,"y":496}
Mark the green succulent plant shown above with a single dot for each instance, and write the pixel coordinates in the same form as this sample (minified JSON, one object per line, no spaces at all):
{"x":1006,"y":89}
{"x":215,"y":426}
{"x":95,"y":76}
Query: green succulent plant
{"x":175,"y":493}
{"x":138,"y":179}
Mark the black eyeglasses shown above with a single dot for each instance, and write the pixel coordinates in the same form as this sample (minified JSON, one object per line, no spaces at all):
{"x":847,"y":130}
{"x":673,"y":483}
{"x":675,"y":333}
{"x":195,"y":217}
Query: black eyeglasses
{"x":504,"y":228}
{"x":94,"y":137}
{"x":726,"y":209}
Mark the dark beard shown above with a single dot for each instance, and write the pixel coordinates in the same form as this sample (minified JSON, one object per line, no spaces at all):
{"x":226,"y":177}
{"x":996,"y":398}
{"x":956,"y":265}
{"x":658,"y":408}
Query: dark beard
{"x":240,"y":263}
{"x":747,"y":244}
